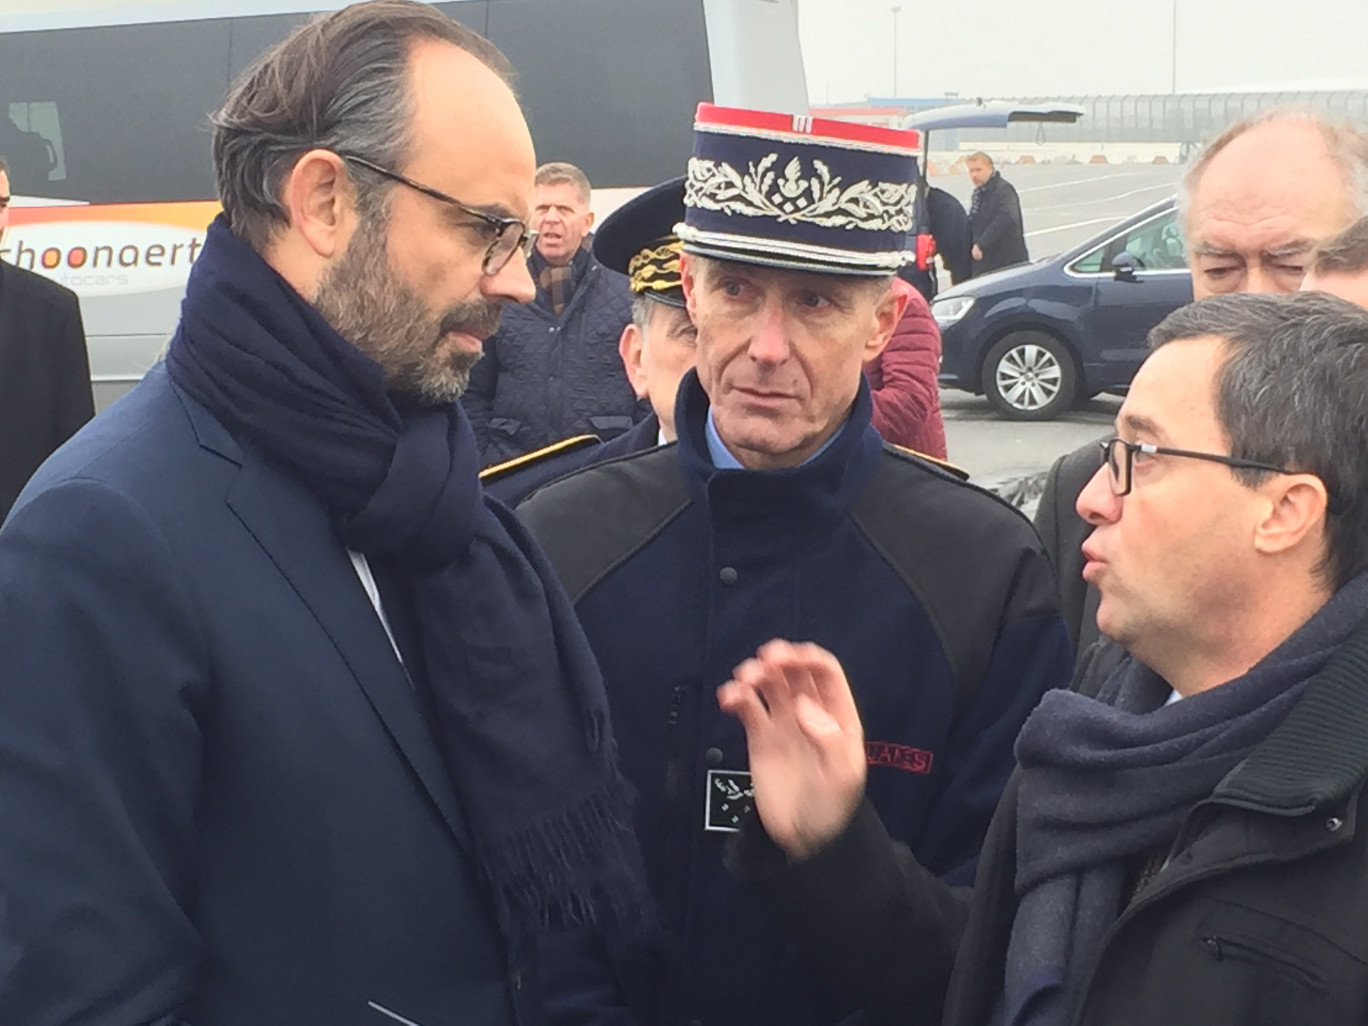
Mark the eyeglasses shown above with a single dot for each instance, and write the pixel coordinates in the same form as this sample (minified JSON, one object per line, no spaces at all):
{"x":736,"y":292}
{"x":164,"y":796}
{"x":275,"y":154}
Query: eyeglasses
{"x":1120,"y":467}
{"x":511,"y":235}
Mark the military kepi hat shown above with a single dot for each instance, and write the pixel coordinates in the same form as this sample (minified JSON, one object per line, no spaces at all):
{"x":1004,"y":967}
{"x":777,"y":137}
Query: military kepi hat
{"x":638,"y":239}
{"x":799,"y":192}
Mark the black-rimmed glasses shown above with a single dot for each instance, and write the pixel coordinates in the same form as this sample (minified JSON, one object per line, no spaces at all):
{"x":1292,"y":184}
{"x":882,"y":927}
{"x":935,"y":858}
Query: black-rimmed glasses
{"x":1120,"y":466}
{"x":511,"y":235}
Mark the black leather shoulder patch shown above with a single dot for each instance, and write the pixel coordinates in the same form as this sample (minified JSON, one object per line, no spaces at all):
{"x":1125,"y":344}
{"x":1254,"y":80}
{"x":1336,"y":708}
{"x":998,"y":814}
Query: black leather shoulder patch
{"x":592,"y":520}
{"x":962,"y":551}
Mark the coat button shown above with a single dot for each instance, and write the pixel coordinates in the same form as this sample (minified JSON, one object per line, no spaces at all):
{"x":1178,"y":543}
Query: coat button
{"x":727,"y":575}
{"x":1333,"y":823}
{"x":713,"y":756}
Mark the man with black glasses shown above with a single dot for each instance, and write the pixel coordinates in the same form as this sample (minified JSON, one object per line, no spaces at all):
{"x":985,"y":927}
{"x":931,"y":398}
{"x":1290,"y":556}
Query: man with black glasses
{"x":1180,"y":842}
{"x":295,"y":726}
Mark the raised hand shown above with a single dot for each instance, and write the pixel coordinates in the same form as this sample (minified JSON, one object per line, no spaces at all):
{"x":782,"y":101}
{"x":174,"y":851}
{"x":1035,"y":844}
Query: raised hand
{"x":806,"y":745}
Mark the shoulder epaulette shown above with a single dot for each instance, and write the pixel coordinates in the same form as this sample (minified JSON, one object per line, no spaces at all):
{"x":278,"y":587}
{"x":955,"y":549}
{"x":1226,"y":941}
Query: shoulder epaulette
{"x":945,"y":465}
{"x":527,"y":459}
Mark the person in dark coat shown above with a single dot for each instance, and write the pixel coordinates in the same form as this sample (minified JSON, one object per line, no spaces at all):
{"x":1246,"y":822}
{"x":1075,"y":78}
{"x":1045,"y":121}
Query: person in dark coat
{"x":45,"y":393}
{"x":949,"y":227}
{"x":296,"y":726}
{"x":999,"y":238}
{"x":1292,"y":169}
{"x":551,"y":371}
{"x":656,"y":348}
{"x":1182,"y":840}
{"x":780,"y":512}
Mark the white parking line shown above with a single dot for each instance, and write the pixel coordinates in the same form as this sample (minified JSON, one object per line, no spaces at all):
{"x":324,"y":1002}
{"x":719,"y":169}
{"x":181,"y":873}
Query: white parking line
{"x":1076,"y":224}
{"x":1077,"y":181}
{"x":1166,"y":186}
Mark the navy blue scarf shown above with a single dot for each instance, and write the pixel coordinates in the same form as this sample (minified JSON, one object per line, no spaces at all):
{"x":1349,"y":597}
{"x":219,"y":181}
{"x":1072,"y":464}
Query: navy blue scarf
{"x":518,"y":698}
{"x":1106,"y":779}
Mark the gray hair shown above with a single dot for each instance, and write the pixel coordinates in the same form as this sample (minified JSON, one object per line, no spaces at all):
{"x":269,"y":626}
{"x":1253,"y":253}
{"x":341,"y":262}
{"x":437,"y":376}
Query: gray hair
{"x":560,"y":171}
{"x":642,"y":305}
{"x":339,"y":82}
{"x":1293,"y":392}
{"x":4,"y":165}
{"x":1346,"y":143}
{"x":980,"y":155}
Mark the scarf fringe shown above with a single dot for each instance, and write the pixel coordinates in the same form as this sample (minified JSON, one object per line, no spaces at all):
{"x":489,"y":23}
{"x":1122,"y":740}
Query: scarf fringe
{"x":552,"y":875}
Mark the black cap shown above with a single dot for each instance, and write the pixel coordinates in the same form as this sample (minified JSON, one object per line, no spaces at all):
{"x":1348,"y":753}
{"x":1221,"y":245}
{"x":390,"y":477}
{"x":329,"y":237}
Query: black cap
{"x":638,"y":239}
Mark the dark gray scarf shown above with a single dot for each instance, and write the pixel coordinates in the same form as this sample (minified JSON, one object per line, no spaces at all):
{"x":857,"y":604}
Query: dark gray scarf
{"x":1104,"y":780}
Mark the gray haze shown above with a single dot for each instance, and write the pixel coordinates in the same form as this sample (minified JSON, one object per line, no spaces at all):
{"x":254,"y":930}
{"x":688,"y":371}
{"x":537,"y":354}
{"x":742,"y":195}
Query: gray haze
{"x":1064,"y":47}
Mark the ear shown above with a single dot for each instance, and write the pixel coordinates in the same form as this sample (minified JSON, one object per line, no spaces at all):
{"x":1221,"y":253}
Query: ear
{"x":320,"y":202}
{"x":687,"y":271}
{"x":630,"y":347}
{"x":1296,"y":514}
{"x":589,"y":223}
{"x":888,"y":311}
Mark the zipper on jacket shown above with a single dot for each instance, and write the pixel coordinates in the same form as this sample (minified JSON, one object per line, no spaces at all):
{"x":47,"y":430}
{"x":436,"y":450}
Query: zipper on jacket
{"x":673,"y":763}
{"x":1227,"y":949}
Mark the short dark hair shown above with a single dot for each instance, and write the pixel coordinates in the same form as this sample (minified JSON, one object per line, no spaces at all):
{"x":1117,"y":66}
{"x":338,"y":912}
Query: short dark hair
{"x":980,"y":155}
{"x":1345,"y":253}
{"x":339,"y":82}
{"x":1293,"y":392}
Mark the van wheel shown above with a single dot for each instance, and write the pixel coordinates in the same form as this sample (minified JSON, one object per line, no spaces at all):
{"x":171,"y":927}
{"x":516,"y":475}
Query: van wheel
{"x":1029,"y":375}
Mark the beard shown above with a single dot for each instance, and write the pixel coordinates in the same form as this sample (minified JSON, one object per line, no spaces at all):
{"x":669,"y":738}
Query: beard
{"x":369,"y":306}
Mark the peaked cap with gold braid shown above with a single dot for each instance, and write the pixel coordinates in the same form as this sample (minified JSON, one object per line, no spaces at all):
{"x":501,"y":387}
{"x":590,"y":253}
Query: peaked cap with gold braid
{"x":638,"y":240}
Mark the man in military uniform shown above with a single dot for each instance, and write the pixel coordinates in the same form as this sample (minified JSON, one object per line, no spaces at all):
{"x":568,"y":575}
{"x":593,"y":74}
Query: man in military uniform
{"x":781,"y":513}
{"x":657,"y":346}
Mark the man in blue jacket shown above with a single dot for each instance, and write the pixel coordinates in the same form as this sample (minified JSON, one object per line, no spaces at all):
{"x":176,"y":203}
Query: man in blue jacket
{"x":551,"y":371}
{"x":294,"y":726}
{"x":779,"y":512}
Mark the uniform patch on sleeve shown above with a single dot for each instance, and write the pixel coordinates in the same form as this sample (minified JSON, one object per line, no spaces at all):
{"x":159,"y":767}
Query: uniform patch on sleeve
{"x":899,"y":757}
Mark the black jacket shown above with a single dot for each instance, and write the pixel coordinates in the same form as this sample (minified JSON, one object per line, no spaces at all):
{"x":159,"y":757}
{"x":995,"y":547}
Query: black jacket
{"x":1063,"y":531}
{"x":544,"y":378}
{"x":996,"y":226}
{"x":45,"y":391}
{"x":1258,"y":916}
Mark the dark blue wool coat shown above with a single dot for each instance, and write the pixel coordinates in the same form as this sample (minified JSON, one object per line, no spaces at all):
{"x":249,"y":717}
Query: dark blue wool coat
{"x":936,"y":597}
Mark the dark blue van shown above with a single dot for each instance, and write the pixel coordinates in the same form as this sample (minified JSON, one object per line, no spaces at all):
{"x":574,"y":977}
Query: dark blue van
{"x":1037,"y":338}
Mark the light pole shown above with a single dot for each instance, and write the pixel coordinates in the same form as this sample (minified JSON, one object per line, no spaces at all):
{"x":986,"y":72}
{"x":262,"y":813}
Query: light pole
{"x":895,"y":50}
{"x":1173,"y":51}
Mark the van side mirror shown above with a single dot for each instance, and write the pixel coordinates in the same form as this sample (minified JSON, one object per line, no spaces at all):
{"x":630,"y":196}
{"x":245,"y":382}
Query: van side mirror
{"x":1123,"y":266}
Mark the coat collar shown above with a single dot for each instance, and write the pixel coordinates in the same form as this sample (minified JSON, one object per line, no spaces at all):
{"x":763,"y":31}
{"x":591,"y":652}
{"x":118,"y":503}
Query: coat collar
{"x":1319,"y":754}
{"x":805,"y":499}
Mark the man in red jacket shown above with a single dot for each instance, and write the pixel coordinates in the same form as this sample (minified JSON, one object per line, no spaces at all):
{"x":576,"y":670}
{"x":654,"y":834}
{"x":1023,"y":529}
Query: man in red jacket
{"x":902,"y":380}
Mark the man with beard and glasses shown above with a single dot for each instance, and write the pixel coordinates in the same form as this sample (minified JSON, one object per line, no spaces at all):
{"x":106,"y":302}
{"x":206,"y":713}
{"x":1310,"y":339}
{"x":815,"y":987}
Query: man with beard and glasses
{"x":295,"y":726}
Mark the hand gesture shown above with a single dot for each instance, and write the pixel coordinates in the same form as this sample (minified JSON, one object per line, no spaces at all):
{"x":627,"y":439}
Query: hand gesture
{"x":806,"y":745}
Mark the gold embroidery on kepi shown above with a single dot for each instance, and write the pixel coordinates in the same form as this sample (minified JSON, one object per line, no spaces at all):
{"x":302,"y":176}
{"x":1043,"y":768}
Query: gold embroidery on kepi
{"x":656,"y":268}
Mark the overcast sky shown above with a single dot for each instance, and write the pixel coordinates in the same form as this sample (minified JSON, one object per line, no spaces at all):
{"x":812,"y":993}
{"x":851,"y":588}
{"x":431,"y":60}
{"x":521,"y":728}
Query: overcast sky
{"x":1064,"y":47}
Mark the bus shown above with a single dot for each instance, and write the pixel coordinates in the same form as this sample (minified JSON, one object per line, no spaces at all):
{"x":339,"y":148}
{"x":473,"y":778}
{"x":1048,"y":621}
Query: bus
{"x":104,"y":123}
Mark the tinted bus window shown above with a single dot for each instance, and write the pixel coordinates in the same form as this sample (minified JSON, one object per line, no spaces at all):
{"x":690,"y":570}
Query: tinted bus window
{"x":116,"y":114}
{"x":609,"y":85}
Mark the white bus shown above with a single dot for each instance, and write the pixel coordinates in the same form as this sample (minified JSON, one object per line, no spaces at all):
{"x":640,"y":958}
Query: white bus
{"x":104,"y":122}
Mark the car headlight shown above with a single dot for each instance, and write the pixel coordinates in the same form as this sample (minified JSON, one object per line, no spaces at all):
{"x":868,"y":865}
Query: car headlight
{"x":950,"y":310}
